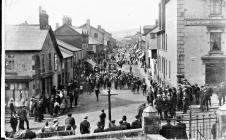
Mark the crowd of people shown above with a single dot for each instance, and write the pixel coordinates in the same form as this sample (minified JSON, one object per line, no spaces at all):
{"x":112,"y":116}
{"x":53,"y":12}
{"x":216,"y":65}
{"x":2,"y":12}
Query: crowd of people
{"x":167,"y":100}
{"x":85,"y":128}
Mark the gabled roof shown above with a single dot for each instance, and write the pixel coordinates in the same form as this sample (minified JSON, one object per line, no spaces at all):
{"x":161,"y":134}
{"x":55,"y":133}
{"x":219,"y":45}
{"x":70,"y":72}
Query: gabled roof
{"x":24,"y":37}
{"x":67,"y":46}
{"x":65,"y":52}
{"x":93,"y":41}
{"x":150,"y":30}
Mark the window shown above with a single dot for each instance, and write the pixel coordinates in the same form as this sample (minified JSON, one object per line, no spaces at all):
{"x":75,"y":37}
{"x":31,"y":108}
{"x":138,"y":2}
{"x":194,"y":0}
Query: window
{"x":9,"y":62}
{"x":163,"y":41}
{"x":152,"y":35}
{"x":166,"y":42}
{"x":55,"y":62}
{"x":95,"y":35}
{"x":215,"y":41}
{"x":166,"y":67}
{"x":43,"y":63}
{"x":71,"y":62}
{"x":50,"y":66}
{"x":216,"y":7}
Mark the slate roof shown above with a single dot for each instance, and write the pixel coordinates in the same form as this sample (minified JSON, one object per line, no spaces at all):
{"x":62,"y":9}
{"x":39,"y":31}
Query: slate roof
{"x":24,"y":37}
{"x":65,"y":52}
{"x":93,"y":41}
{"x":67,"y":46}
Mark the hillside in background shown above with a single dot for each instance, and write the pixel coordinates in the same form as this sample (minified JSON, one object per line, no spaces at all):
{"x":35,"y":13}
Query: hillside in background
{"x":123,"y":33}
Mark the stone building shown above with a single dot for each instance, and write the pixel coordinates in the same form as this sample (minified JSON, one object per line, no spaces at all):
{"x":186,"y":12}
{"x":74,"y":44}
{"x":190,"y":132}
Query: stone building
{"x":151,"y":51}
{"x":99,"y":34}
{"x":198,"y":51}
{"x":72,"y":58}
{"x":73,"y":36}
{"x":33,"y":60}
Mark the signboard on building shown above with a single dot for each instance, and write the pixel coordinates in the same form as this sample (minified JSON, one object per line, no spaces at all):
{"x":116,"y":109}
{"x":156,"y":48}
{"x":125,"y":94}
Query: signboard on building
{"x":205,"y":22}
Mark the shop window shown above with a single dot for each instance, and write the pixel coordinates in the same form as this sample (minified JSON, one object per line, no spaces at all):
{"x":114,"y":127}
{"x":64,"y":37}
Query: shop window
{"x":215,"y":41}
{"x":215,"y":7}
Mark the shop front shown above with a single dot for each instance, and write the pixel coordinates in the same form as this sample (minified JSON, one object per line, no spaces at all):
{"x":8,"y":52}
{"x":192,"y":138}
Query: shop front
{"x":214,"y":68}
{"x":17,"y":88}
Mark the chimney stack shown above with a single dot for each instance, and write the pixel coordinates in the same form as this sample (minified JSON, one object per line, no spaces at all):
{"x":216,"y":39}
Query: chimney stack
{"x":88,"y":21}
{"x":99,"y":27}
{"x":57,"y":25}
{"x":67,"y":20}
{"x":156,"y":22}
{"x":43,"y":19}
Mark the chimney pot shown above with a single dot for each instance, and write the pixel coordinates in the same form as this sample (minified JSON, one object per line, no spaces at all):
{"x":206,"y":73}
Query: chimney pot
{"x":43,"y":19}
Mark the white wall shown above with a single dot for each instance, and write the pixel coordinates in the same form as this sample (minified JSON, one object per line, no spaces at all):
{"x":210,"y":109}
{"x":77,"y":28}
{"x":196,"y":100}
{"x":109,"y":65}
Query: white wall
{"x":171,"y":53}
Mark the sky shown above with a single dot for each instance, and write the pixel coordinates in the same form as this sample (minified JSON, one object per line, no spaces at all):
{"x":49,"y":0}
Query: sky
{"x":112,"y":15}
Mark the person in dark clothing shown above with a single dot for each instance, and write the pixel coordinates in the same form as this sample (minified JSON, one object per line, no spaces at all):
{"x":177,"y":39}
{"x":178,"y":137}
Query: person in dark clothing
{"x":214,"y":130}
{"x":22,"y":113}
{"x":197,"y":94}
{"x":97,"y":92}
{"x":144,"y":87}
{"x":167,"y":130}
{"x":85,"y":126}
{"x":137,"y":123}
{"x":125,"y":123}
{"x":180,"y":129}
{"x":102,"y":119}
{"x":13,"y":121}
{"x":11,"y":106}
{"x":130,"y":69}
{"x":70,"y":122}
{"x":76,"y":95}
{"x":185,"y":101}
{"x":121,"y":126}
{"x":179,"y":99}
{"x":159,"y":105}
{"x":99,"y":128}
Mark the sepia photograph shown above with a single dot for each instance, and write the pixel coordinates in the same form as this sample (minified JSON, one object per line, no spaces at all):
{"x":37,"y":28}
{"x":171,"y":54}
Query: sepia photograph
{"x":113,"y":69}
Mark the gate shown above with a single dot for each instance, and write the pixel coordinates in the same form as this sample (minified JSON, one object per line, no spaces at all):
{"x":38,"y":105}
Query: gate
{"x":198,"y":124}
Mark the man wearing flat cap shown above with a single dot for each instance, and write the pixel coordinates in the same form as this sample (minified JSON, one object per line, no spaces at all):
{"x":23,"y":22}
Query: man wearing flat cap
{"x":85,"y":126}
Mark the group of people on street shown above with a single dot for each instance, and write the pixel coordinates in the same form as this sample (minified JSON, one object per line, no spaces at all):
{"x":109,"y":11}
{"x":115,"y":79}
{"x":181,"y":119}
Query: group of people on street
{"x":85,"y":127}
{"x":169,"y":100}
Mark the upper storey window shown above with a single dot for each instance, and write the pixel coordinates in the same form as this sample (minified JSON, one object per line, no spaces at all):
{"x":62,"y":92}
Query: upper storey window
{"x":215,"y":7}
{"x":215,"y":41}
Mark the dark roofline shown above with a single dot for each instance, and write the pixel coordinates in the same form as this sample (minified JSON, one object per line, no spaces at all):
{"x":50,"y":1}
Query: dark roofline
{"x":150,"y":30}
{"x":67,"y":26}
{"x":52,"y":36}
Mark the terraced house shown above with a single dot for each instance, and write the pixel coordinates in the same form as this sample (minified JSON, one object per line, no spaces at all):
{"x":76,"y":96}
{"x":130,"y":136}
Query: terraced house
{"x":33,"y":60}
{"x":197,"y":52}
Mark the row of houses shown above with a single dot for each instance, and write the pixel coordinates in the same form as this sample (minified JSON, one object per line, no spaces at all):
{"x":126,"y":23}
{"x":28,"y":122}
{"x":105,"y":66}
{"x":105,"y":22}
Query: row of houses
{"x":38,"y":58}
{"x":187,"y":41}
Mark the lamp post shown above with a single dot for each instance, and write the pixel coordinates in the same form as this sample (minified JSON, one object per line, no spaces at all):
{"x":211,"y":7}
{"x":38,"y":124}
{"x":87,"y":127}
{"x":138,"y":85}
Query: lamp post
{"x":109,"y":94}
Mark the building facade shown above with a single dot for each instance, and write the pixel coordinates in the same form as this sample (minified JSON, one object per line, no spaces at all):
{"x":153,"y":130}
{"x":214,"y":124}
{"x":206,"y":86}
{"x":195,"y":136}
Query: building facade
{"x":73,"y":36}
{"x":192,"y":43}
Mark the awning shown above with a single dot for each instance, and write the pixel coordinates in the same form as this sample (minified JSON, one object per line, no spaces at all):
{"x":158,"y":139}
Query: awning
{"x":141,"y":55}
{"x":91,"y":62}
